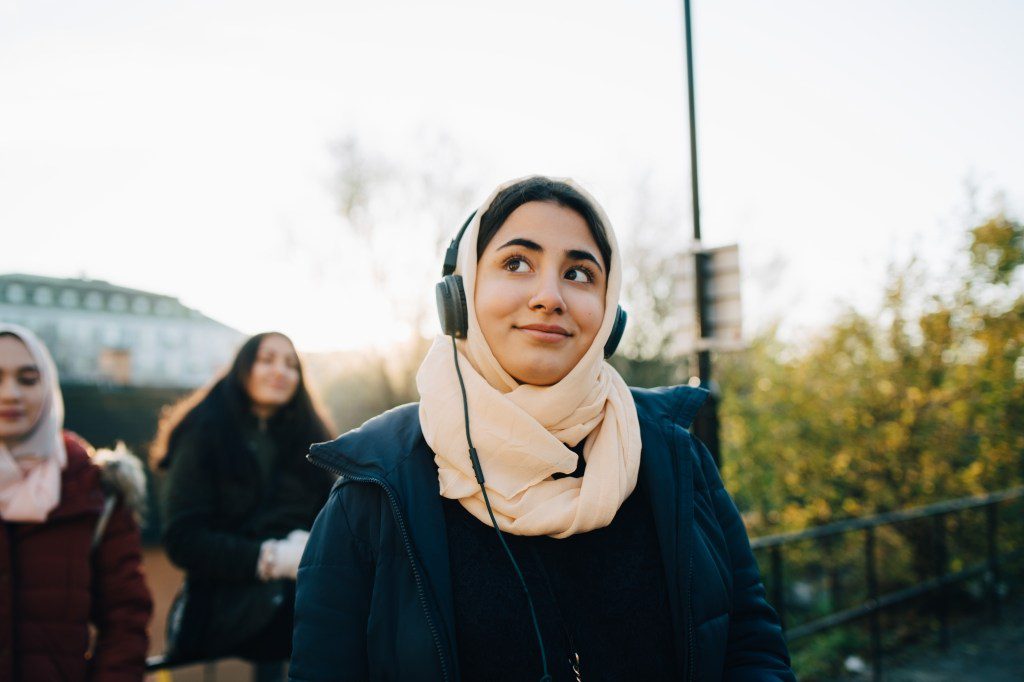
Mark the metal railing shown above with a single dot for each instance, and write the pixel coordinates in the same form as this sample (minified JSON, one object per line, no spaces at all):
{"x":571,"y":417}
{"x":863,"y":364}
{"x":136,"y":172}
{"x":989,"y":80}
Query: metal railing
{"x":876,"y":603}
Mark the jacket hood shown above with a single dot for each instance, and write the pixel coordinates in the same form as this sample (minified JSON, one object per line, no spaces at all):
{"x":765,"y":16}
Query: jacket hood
{"x":121,"y":474}
{"x":91,"y":476}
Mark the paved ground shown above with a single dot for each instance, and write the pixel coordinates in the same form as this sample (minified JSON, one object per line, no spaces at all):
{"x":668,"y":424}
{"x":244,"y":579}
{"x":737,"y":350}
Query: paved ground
{"x":980,"y":651}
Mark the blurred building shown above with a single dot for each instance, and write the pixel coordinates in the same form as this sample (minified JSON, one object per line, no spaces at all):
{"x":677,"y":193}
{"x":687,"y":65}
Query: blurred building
{"x":103,"y":334}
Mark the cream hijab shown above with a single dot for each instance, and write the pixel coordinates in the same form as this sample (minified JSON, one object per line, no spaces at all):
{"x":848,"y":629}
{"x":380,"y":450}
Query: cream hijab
{"x":30,"y":468}
{"x":523,"y":432}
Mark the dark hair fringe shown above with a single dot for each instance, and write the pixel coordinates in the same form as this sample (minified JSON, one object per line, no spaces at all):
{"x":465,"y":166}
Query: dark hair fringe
{"x":541,"y":188}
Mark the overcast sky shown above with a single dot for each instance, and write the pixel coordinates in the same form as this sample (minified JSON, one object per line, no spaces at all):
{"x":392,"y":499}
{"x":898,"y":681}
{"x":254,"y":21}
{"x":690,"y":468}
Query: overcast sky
{"x":171,"y":147}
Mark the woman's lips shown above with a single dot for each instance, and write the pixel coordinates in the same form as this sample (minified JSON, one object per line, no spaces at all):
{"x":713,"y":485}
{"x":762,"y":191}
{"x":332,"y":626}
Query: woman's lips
{"x":11,"y":415}
{"x":545,"y":333}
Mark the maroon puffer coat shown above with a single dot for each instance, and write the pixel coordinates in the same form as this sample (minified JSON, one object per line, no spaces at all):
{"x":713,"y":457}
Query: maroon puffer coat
{"x":53,"y":585}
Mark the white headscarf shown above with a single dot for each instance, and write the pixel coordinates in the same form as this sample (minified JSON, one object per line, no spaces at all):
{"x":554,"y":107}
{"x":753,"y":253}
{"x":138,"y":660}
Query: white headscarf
{"x":30,"y":467}
{"x":522,"y":432}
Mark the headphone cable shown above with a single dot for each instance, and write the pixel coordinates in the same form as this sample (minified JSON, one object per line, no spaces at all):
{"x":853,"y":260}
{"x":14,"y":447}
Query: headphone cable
{"x":479,"y":472}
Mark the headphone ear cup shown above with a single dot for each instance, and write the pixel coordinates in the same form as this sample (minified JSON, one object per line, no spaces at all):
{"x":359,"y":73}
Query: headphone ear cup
{"x":618,"y":328}
{"x":451,"y":306}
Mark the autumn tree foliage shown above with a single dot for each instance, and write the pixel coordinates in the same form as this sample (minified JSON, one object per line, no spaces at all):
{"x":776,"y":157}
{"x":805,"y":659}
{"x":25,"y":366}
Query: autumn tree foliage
{"x":921,"y":402}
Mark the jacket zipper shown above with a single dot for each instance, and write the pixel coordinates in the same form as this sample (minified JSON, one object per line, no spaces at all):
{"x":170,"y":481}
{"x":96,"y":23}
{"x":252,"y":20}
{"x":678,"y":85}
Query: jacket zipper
{"x":408,"y":551}
{"x":691,"y":647}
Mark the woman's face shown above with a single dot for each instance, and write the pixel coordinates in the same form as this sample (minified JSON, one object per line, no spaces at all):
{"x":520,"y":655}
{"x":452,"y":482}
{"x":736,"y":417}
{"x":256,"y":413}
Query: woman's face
{"x":540,"y":292}
{"x":22,"y":392}
{"x":274,"y":375}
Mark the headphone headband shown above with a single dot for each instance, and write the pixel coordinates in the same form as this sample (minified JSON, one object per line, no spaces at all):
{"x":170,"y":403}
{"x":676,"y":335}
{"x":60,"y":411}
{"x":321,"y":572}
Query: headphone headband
{"x":451,"y":256}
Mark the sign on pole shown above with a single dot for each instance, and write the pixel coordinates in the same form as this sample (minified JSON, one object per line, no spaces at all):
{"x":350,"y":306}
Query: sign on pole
{"x":716,"y":324}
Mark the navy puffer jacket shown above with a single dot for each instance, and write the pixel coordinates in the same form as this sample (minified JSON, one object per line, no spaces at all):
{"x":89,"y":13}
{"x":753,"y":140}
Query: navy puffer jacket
{"x":374,"y":596}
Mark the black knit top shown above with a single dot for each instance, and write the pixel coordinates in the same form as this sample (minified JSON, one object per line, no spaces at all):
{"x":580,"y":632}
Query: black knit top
{"x":600,"y":595}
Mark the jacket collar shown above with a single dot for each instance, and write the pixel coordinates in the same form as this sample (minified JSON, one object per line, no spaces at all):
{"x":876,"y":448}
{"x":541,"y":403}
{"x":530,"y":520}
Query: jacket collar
{"x":390,"y":451}
{"x":380,"y":446}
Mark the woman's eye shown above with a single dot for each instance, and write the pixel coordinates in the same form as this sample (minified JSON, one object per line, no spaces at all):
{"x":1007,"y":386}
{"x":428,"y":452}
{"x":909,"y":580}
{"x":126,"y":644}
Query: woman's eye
{"x":28,"y":379}
{"x":516,"y":264}
{"x":579,"y":274}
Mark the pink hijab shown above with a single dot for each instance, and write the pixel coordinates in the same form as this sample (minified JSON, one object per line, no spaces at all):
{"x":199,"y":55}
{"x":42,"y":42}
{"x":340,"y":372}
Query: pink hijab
{"x":30,"y":467}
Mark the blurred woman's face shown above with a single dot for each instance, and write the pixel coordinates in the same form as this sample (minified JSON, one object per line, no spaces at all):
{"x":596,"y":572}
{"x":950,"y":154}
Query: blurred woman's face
{"x":22,"y":392}
{"x":540,"y":292}
{"x":274,"y":375}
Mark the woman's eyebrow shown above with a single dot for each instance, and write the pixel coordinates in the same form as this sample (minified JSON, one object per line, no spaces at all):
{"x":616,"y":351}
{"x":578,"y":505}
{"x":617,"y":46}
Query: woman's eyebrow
{"x":525,"y":243}
{"x":577,"y":254}
{"x":27,"y":368}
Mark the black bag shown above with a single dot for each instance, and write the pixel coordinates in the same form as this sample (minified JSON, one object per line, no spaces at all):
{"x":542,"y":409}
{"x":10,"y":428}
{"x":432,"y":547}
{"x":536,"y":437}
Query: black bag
{"x":208,"y":620}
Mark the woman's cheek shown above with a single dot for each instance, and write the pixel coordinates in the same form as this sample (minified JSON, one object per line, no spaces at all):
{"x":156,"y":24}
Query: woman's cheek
{"x":491,"y":303}
{"x":256,"y":376}
{"x":294,"y":384}
{"x":34,"y":403}
{"x":592,"y":314}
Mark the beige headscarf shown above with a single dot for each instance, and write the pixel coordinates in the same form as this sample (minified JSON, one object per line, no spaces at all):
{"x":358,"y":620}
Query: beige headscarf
{"x":523,"y":432}
{"x":30,"y":468}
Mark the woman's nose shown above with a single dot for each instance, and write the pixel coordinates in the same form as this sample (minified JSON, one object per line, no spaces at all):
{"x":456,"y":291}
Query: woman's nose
{"x":9,"y":390}
{"x":548,"y":295}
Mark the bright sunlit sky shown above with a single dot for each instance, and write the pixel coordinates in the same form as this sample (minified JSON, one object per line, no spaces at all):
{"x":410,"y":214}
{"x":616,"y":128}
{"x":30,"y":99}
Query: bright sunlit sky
{"x":171,"y":146}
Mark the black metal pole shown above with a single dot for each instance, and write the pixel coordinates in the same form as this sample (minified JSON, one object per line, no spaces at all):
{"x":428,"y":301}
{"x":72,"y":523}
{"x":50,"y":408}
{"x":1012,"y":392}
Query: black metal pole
{"x":706,"y":424}
{"x":941,"y":570}
{"x":875,"y":617}
{"x":992,"y":528}
{"x":778,"y":585}
{"x":693,"y":121}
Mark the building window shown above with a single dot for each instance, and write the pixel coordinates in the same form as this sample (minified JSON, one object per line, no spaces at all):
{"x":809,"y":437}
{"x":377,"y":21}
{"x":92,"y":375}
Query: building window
{"x":69,"y":298}
{"x":94,"y":300}
{"x":43,"y":296}
{"x":118,"y":303}
{"x":140,"y":305}
{"x":163,"y":307}
{"x":15,"y":293}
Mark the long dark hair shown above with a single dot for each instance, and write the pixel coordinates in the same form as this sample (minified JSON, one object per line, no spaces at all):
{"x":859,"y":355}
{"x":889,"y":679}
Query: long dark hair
{"x":223,"y":407}
{"x":540,"y":188}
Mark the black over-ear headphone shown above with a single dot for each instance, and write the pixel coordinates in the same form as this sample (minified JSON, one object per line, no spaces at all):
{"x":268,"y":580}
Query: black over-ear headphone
{"x":452,"y":306}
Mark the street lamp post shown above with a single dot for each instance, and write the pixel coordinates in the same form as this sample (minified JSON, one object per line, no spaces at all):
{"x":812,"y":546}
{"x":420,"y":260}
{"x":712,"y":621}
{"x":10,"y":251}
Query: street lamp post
{"x":706,"y":424}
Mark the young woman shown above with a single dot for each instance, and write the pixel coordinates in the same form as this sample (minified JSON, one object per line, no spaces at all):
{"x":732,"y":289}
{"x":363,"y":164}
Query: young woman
{"x":239,"y":500}
{"x":625,"y":557}
{"x":70,"y":546}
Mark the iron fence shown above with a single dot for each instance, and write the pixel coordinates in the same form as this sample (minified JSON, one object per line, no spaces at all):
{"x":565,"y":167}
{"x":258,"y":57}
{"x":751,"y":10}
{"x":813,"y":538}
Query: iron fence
{"x":939,"y":584}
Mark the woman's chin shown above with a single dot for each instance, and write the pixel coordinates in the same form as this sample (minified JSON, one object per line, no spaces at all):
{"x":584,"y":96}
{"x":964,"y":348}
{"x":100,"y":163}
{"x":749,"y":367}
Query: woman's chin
{"x":14,"y":432}
{"x":539,"y":372}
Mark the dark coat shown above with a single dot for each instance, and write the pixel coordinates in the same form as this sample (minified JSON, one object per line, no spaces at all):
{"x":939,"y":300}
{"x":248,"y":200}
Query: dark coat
{"x":53,"y":584}
{"x":219,"y":507}
{"x":374,"y":597}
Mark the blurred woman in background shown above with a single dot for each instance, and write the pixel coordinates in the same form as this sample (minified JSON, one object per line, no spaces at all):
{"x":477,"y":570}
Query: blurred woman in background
{"x":240,"y":498}
{"x":70,"y":545}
